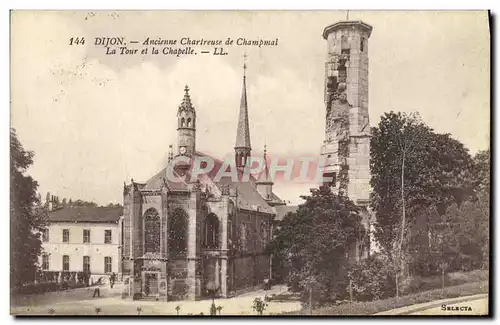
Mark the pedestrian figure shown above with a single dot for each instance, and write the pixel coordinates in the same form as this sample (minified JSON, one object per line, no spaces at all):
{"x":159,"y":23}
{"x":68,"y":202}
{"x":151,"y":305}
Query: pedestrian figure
{"x":97,"y":291}
{"x":112,"y":279}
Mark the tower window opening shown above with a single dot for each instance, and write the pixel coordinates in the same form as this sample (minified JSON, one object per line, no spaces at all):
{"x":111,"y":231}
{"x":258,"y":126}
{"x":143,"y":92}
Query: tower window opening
{"x":362,"y":44}
{"x":183,"y":122}
{"x":330,"y":179}
{"x":344,"y":43}
{"x":189,"y":122}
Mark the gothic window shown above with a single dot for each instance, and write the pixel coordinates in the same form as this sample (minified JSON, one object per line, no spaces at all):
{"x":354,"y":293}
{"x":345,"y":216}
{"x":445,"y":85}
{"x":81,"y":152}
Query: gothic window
{"x":183,"y":122}
{"x":211,"y":238}
{"x":265,"y":233}
{"x":189,"y":122}
{"x":151,"y":231}
{"x":230,"y":231}
{"x":177,"y":232}
{"x":243,"y":237}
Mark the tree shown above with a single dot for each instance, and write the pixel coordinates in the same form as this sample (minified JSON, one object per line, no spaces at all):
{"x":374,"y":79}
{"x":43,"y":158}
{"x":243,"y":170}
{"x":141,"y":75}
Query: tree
{"x":414,"y":170}
{"x":314,"y":242}
{"x":27,"y":216}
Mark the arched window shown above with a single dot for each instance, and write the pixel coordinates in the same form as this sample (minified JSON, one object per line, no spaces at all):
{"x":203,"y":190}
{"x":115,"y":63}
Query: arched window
{"x":151,"y":231}
{"x":189,"y":122}
{"x":177,"y":232}
{"x":211,"y":238}
{"x":183,"y":122}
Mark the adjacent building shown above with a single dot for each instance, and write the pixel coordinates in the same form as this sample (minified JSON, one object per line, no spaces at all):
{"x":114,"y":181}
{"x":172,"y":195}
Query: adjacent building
{"x":81,"y":239}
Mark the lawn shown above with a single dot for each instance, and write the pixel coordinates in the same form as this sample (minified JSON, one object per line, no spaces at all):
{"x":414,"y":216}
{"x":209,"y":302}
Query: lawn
{"x":477,"y":284}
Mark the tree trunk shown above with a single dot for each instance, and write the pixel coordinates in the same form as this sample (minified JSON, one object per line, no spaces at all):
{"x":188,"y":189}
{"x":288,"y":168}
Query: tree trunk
{"x":310,"y":300}
{"x":442,"y":280}
{"x":403,"y":221}
{"x":397,"y":284}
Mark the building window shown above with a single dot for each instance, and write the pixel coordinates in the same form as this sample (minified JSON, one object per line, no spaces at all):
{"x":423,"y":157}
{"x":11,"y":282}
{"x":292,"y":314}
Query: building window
{"x":45,"y":262}
{"x":86,"y":264}
{"x":211,"y":231}
{"x":189,"y":122}
{"x":107,"y":265}
{"x":65,"y":235}
{"x":177,"y":232}
{"x":362,"y":44}
{"x":152,"y":231}
{"x":45,"y":235}
{"x":107,"y":236}
{"x":86,"y":235}
{"x":65,"y":263}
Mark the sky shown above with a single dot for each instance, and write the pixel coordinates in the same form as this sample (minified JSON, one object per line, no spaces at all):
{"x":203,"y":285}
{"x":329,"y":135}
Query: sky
{"x":95,"y":121}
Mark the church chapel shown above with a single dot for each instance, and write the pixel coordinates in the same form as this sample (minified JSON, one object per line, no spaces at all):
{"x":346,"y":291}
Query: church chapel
{"x":186,"y":239}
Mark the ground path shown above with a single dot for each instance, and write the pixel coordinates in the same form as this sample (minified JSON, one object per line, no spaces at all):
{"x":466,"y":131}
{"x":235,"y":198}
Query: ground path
{"x":469,"y":305}
{"x":80,"y":302}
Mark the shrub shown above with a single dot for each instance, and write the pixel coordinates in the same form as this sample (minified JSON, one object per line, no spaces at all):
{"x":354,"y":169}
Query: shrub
{"x":372,"y":278}
{"x":259,"y":305}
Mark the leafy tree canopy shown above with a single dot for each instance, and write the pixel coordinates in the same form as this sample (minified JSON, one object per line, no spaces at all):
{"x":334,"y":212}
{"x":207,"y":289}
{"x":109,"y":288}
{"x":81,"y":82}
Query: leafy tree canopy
{"x":27,"y":216}
{"x":314,"y":243}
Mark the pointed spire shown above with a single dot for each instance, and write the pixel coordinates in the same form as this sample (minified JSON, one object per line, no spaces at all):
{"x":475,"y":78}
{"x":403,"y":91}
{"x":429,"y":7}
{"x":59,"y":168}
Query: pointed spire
{"x":243,"y":131}
{"x":264,"y":177}
{"x":186,"y":104}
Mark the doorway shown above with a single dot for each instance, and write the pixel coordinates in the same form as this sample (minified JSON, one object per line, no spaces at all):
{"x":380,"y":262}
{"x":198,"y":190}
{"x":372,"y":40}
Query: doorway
{"x":151,"y":284}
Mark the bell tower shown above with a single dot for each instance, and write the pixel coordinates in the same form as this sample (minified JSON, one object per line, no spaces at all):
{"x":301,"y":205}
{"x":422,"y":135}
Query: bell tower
{"x":346,"y":148}
{"x":186,"y":127}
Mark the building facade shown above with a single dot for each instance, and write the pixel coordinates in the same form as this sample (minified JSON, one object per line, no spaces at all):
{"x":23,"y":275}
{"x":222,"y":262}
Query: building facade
{"x":81,"y":239}
{"x":186,"y":235}
{"x":346,"y":148}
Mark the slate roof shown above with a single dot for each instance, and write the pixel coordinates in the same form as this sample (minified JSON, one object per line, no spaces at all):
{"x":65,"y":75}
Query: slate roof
{"x":248,"y":196}
{"x":86,"y":214}
{"x":283,"y":210}
{"x":243,"y":130}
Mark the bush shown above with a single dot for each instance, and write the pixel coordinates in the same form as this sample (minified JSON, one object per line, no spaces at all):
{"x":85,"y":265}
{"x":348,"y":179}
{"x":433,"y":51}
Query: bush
{"x":372,"y":278}
{"x":49,"y":286}
{"x":41,"y":287}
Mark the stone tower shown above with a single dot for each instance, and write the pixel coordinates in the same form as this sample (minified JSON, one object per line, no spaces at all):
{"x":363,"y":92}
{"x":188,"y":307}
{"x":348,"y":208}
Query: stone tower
{"x":186,"y":128}
{"x":346,"y":148}
{"x":242,"y":147}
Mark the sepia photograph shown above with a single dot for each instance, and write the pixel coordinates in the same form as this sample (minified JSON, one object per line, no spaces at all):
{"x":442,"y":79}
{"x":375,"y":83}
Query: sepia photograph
{"x":250,"y":163}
